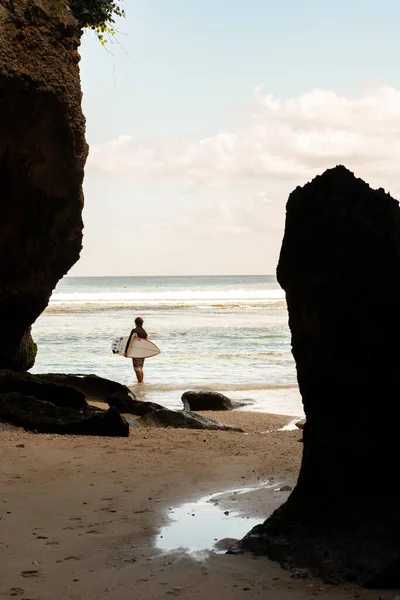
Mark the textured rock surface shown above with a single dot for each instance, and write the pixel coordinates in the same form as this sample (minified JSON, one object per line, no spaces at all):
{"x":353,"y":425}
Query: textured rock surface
{"x":42,"y":157}
{"x":181,"y":418}
{"x":94,"y":387}
{"x":46,"y":417}
{"x":33,"y":385}
{"x":208,"y":401}
{"x":340,"y":268}
{"x":131,"y":405}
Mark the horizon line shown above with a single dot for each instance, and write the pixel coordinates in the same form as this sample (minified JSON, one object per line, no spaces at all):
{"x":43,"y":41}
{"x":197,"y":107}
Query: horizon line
{"x":203,"y":275}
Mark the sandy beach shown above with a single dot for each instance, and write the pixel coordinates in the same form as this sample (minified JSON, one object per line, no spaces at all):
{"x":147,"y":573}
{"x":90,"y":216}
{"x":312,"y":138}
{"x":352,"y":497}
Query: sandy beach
{"x":79,"y":515}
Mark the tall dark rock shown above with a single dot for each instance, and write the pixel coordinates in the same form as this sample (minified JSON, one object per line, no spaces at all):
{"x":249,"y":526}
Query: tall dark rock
{"x":340,"y":268}
{"x":42,"y":158}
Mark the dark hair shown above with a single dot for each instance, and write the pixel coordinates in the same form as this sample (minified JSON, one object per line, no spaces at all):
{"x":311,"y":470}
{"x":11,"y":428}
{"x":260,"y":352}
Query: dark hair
{"x":139,"y":321}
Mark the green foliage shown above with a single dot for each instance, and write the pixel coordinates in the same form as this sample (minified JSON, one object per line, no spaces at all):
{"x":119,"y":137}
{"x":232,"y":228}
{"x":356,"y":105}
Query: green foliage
{"x":98,"y":15}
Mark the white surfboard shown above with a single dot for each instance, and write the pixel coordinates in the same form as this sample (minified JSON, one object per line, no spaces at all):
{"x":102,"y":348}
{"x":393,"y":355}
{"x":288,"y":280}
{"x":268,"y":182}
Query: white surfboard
{"x":138,"y":347}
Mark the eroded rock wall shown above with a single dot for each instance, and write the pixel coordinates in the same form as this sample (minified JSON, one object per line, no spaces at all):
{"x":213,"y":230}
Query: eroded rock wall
{"x":340,"y":268}
{"x":42,"y":157}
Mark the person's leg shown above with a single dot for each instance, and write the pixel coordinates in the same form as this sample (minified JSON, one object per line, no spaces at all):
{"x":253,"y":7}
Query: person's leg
{"x":138,"y":368}
{"x":139,"y":375}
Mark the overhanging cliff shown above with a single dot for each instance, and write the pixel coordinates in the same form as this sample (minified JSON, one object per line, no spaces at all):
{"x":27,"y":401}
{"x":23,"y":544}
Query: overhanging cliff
{"x":42,"y":157}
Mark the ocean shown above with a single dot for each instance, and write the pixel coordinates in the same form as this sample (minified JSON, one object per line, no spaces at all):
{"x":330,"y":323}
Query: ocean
{"x":227,"y":334}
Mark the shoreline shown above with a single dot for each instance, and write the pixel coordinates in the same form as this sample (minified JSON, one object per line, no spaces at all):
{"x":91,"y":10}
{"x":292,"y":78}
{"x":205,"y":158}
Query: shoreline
{"x":82,"y":513}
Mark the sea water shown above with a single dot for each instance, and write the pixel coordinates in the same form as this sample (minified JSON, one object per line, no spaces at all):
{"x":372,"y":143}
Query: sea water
{"x":227,"y":334}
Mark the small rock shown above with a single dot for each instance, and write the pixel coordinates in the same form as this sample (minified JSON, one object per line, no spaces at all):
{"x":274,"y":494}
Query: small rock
{"x":30,"y":573}
{"x":226,"y":512}
{"x":300,"y":574}
{"x":20,"y":446}
{"x":16,"y":591}
{"x":225,"y":543}
{"x":300,"y":424}
{"x":286,"y":488}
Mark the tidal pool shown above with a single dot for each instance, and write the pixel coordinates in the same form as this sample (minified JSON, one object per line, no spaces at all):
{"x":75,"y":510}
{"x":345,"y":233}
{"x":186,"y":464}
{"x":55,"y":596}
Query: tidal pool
{"x":198,"y":526}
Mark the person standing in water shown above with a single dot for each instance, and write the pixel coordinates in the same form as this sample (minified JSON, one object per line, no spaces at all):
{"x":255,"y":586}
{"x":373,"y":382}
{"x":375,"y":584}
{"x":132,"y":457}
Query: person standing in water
{"x":138,"y":363}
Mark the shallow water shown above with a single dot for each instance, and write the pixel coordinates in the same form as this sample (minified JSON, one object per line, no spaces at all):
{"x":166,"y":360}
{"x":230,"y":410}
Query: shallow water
{"x":226,"y":334}
{"x":198,"y":526}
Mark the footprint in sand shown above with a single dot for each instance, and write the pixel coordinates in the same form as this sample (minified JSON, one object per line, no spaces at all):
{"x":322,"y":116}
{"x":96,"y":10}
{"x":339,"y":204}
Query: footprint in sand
{"x":52,"y":544}
{"x":68,"y":558}
{"x":16,"y":591}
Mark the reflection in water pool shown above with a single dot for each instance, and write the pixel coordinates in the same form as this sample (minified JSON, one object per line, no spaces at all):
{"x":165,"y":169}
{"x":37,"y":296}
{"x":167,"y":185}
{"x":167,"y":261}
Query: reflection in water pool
{"x":198,"y":526}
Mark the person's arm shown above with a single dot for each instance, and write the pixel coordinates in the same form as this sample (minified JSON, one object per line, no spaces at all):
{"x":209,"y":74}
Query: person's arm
{"x":132,"y":334}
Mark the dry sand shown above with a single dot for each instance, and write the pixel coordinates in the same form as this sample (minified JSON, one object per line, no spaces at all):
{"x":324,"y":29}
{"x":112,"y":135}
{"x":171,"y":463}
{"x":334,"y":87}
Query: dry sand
{"x":79,"y":515}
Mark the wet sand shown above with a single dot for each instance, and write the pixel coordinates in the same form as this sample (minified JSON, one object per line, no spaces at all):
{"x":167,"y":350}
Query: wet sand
{"x":79,"y":515}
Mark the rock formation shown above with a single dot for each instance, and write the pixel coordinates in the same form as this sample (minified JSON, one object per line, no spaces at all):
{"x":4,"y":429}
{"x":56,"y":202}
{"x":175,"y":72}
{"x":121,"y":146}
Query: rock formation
{"x":131,"y":405}
{"x":340,"y":268}
{"x":208,"y":401}
{"x":95,"y":388}
{"x":42,"y":158}
{"x":165,"y":417}
{"x":47,"y":417}
{"x":52,"y":404}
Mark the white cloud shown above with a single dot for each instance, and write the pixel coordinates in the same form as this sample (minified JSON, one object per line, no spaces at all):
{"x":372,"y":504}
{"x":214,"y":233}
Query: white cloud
{"x":279,"y":140}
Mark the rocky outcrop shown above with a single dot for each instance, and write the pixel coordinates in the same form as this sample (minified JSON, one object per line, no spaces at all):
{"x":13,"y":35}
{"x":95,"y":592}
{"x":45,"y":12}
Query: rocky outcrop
{"x":182,"y":419}
{"x":131,"y":405}
{"x":45,"y":417}
{"x":95,"y":388}
{"x":47,"y":405}
{"x":32,"y":385}
{"x":42,"y":157}
{"x":340,"y":268}
{"x":208,"y":401}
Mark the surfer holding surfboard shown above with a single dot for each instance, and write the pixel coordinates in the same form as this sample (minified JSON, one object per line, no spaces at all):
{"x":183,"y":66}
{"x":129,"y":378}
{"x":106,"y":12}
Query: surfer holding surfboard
{"x":138,"y":363}
{"x":135,"y":346}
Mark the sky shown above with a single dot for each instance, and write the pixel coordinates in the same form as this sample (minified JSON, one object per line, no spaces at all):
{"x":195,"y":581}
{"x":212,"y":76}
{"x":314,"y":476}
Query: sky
{"x":203,"y":115}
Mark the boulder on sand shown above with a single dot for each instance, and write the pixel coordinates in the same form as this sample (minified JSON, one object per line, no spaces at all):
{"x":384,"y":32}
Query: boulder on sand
{"x":36,"y":386}
{"x":182,"y":419}
{"x":45,"y":417}
{"x":130,"y":405}
{"x":208,"y":401}
{"x":95,"y":388}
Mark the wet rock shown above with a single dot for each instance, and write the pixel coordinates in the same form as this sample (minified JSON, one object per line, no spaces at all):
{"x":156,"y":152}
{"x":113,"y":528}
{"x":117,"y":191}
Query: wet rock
{"x":340,"y":269}
{"x":208,"y":401}
{"x":95,"y":388}
{"x":286,"y":488}
{"x":131,"y":405}
{"x":300,"y":424}
{"x":182,"y":418}
{"x":37,"y":386}
{"x":42,"y":157}
{"x":45,"y":417}
{"x":225,"y":544}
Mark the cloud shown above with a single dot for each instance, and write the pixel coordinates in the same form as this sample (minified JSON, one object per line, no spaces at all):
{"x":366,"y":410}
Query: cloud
{"x":279,"y":140}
